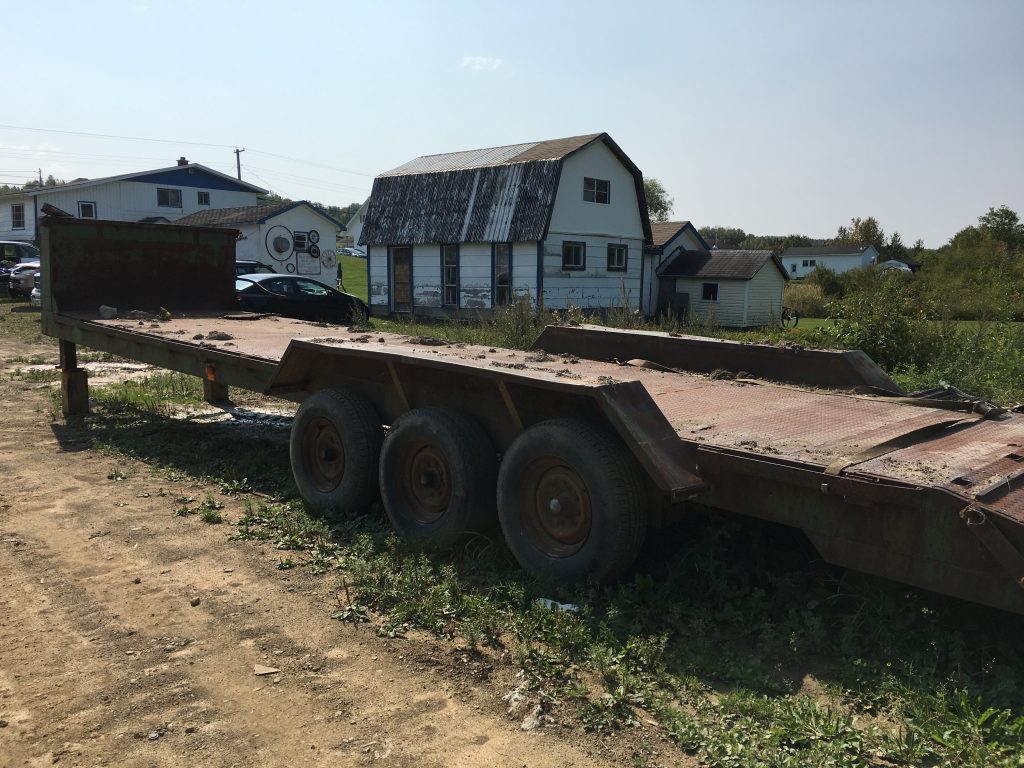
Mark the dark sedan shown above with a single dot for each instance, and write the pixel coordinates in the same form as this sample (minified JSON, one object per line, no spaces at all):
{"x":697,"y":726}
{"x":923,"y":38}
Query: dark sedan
{"x":298,"y":297}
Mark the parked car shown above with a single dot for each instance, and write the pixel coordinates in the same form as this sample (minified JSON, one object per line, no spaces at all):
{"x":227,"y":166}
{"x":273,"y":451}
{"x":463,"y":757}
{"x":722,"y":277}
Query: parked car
{"x":22,"y":279}
{"x":16,"y":251}
{"x":36,"y":297}
{"x":244,"y":267}
{"x":359,"y":253}
{"x":298,"y":297}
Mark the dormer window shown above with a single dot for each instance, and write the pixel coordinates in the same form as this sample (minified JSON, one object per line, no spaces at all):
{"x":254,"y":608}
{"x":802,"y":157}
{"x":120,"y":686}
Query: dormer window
{"x":597,"y":190}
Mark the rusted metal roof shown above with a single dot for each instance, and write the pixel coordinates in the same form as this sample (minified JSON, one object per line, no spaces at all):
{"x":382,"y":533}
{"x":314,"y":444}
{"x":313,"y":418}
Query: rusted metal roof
{"x":726,"y":265}
{"x":498,"y":194}
{"x":247,"y":214}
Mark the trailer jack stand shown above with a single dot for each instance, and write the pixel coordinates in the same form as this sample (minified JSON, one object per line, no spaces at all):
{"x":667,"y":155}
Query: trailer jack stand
{"x":74,"y":383}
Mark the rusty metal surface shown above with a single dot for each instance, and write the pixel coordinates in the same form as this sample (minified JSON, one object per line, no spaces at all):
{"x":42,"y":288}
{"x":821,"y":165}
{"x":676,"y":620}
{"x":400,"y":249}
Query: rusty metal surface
{"x":810,"y":367}
{"x":130,"y":265}
{"x":759,"y":448}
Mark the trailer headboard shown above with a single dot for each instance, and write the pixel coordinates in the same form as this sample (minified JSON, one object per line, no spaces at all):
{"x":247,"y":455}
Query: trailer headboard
{"x":130,"y":265}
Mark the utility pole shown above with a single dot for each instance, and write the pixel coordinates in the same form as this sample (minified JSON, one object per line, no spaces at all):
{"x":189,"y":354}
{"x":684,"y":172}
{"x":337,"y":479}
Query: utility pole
{"x":238,"y":161}
{"x":40,"y":177}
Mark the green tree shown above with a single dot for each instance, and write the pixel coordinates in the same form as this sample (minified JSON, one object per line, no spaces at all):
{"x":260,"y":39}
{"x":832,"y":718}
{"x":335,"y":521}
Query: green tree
{"x":862,"y":232}
{"x":723,"y":237}
{"x":1004,"y":225}
{"x":659,"y":204}
{"x":894,"y":249}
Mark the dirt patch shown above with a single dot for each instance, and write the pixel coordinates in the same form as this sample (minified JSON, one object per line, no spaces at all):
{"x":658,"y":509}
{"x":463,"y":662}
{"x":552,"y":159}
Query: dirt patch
{"x":131,"y":636}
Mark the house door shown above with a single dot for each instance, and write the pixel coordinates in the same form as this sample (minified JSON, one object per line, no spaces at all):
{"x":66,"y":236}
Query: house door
{"x":401,"y":279}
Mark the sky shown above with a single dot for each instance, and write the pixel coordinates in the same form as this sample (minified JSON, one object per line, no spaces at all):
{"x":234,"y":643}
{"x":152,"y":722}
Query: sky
{"x":775,"y":117}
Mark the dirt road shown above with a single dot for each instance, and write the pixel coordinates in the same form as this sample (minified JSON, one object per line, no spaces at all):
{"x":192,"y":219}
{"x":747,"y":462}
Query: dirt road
{"x":129,"y":636}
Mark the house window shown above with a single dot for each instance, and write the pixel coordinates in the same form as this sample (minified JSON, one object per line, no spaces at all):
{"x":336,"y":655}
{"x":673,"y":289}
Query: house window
{"x":597,"y":190}
{"x":450,"y":274}
{"x":792,"y":267}
{"x":809,"y":263}
{"x":709,"y":291}
{"x":574,"y":255}
{"x":18,"y":216}
{"x":168,"y":198}
{"x":204,"y":198}
{"x":502,"y":255}
{"x":617,"y":257}
{"x":299,"y":238}
{"x":86,"y":210}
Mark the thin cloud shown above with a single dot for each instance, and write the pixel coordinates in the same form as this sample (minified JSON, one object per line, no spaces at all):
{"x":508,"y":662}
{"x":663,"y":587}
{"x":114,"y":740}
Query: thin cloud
{"x":480,"y":63}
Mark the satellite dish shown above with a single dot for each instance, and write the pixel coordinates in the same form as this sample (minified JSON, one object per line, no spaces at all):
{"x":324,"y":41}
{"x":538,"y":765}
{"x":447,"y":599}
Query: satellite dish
{"x":314,"y":236}
{"x":280,"y":242}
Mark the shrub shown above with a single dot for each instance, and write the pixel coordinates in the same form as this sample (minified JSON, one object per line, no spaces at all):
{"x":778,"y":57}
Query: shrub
{"x":806,"y":298}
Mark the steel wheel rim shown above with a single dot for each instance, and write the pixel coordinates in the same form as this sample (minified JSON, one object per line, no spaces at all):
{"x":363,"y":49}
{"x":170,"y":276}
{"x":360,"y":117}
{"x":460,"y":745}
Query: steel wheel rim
{"x":323,"y":454}
{"x":557,"y":512}
{"x":426,"y":482}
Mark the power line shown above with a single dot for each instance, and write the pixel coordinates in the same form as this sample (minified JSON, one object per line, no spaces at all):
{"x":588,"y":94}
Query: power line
{"x":189,"y":143}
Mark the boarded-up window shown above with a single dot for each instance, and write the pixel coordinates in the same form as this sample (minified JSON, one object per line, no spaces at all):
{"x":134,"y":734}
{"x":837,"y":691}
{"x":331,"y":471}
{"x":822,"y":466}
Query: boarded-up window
{"x":502,"y":253}
{"x":18,"y":216}
{"x":574,"y":255}
{"x":709,"y":291}
{"x":617,"y":257}
{"x":450,"y":268}
{"x":597,"y":190}
{"x":299,"y":239}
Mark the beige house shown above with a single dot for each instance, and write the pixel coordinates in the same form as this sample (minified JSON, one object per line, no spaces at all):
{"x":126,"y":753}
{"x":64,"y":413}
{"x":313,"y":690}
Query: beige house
{"x":734,"y":289}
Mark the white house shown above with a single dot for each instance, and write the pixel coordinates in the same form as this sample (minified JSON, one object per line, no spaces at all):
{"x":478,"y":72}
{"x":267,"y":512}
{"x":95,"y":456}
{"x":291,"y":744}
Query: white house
{"x":291,"y":238}
{"x":800,"y":261}
{"x":159,"y":195}
{"x":557,"y":222}
{"x":737,"y":289}
{"x":667,"y":238}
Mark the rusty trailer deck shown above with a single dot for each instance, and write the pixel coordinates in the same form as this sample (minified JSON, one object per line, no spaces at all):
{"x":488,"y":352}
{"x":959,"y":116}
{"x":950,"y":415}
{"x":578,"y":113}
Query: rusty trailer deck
{"x":919,"y":492}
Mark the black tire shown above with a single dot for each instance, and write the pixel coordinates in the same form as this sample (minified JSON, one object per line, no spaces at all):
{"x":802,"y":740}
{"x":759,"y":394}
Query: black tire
{"x":438,"y":470}
{"x":598,"y":527}
{"x":334,"y":449}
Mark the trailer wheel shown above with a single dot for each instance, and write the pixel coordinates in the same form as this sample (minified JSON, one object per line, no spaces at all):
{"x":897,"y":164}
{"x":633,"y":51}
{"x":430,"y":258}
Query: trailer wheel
{"x":334,"y":450}
{"x":571,"y":502}
{"x":438,"y":470}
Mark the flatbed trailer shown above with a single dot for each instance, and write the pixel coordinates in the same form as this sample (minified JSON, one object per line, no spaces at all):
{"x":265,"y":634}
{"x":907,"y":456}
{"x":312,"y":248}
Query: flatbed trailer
{"x":579,"y":446}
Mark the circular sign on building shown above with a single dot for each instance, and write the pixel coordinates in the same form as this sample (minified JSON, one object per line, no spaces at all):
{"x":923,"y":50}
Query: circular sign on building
{"x":314,"y":236}
{"x":279,"y":242}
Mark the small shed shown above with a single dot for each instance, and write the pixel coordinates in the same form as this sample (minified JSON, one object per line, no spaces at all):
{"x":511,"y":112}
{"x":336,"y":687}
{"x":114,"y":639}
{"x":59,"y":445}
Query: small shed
{"x":667,"y":237}
{"x":291,"y":238}
{"x":734,"y":289}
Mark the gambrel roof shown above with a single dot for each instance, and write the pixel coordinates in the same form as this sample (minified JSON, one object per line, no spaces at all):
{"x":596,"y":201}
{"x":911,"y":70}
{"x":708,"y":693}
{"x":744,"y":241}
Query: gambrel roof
{"x":499,"y":194}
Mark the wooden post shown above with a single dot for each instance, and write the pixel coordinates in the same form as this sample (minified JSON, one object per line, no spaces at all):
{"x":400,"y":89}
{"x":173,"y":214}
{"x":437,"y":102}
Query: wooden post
{"x":214,"y":391}
{"x":74,"y":385}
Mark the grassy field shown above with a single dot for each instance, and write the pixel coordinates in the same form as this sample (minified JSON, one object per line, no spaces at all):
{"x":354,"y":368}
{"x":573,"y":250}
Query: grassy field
{"x":354,"y":275}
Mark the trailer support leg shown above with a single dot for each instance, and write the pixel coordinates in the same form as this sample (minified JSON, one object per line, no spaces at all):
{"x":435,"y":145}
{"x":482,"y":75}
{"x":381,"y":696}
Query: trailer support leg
{"x":74,"y":386}
{"x":214,"y":391}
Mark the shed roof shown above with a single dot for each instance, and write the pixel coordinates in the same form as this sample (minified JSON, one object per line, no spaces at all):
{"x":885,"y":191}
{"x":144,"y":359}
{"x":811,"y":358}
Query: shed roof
{"x":724,"y":265}
{"x":247,"y":214}
{"x":663,"y":232}
{"x":497,"y":194}
{"x":826,"y":250}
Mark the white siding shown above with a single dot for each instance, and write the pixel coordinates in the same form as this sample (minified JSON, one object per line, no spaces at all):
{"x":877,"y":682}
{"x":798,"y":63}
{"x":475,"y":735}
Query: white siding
{"x":726,"y":311}
{"x":764,"y":296}
{"x":619,"y":218}
{"x":594,"y":287}
{"x":426,"y":275}
{"x":6,"y":218}
{"x":838,"y":264}
{"x":524,"y":270}
{"x":299,"y":219}
{"x":377,"y":264}
{"x":687,"y":240}
{"x":248,"y":246}
{"x":475,"y":275}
